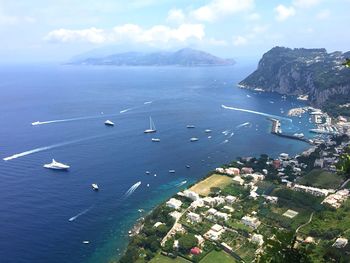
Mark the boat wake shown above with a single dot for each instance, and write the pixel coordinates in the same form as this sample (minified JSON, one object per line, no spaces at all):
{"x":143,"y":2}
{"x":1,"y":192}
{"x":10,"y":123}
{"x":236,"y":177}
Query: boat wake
{"x":70,"y":119}
{"x":45,"y":148}
{"x":256,"y":112}
{"x":131,"y":190}
{"x":126,"y":110}
{"x":243,"y":125}
{"x":181,"y":184}
{"x":80,"y":214}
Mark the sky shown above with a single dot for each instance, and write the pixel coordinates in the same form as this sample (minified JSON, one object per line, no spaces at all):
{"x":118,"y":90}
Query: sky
{"x":56,"y":30}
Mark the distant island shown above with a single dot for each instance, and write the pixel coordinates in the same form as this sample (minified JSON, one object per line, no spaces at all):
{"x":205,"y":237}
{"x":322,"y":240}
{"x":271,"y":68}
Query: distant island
{"x":184,"y":57}
{"x":311,"y":74}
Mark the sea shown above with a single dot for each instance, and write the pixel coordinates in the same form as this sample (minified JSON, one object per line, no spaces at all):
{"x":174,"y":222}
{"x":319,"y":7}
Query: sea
{"x":46,"y":215}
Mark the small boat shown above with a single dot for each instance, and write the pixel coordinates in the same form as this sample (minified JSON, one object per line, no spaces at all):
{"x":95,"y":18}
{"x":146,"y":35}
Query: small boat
{"x":171,"y":171}
{"x":152,"y":127}
{"x":155,"y":140}
{"x":209,"y":137}
{"x":188,"y":166}
{"x":190,"y":126}
{"x":155,"y":175}
{"x":194,"y":139}
{"x":207,"y":131}
{"x":94,"y":187}
{"x":56,"y":165}
{"x":147,"y":185}
{"x":147,"y":172}
{"x":35,"y":123}
{"x":109,"y":123}
{"x":86,"y":242}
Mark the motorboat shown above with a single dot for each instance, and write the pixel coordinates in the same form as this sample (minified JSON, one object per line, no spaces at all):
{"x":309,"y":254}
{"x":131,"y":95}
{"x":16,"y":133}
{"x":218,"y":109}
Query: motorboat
{"x":155,"y":140}
{"x":171,"y":171}
{"x":56,"y":165}
{"x":36,"y":123}
{"x":109,"y":123}
{"x":94,"y":187}
{"x":190,"y":126}
{"x":152,"y":127}
{"x":207,"y":131}
{"x":194,"y":139}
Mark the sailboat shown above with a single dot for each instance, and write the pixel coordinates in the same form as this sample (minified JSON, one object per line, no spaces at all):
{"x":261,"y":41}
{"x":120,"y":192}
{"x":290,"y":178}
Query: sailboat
{"x":152,"y":127}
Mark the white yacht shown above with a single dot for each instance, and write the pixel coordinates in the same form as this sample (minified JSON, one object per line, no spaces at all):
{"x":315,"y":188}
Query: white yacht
{"x":56,"y":165}
{"x":109,"y":123}
{"x":155,"y":140}
{"x":171,"y":171}
{"x":208,"y":131}
{"x":152,"y":127}
{"x":94,"y":187}
{"x":190,"y":126}
{"x":36,"y":123}
{"x":194,"y":139}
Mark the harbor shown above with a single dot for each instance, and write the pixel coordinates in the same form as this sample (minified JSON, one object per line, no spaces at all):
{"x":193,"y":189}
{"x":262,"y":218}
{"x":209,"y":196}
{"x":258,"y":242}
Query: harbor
{"x":277,"y":130}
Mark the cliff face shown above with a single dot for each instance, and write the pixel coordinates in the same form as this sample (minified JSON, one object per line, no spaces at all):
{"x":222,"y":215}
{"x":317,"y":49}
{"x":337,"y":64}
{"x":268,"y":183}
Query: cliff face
{"x":312,"y":72}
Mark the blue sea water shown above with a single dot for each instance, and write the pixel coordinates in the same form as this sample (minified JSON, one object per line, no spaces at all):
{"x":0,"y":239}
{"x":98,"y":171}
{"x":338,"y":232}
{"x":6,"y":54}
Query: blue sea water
{"x":46,"y":215}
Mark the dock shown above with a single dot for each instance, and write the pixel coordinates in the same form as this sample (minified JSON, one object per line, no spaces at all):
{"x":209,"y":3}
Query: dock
{"x":277,"y":130}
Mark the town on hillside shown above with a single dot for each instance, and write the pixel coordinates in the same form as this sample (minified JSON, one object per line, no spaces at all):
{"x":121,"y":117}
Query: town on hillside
{"x":290,"y":208}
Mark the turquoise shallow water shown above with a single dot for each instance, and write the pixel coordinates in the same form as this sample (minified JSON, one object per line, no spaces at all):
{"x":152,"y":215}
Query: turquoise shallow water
{"x":37,"y":203}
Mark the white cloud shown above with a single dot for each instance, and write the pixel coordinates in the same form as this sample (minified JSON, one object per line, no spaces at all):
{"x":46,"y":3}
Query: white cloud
{"x":306,"y":3}
{"x":253,"y":17}
{"x":283,"y":12}
{"x":240,"y":41}
{"x":219,"y":8}
{"x":176,"y":16}
{"x":130,"y":33}
{"x":324,"y":14}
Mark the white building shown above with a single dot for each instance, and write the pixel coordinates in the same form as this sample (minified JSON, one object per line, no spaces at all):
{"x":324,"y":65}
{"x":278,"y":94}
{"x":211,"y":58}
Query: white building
{"x":238,"y":180}
{"x":340,"y":242}
{"x":212,"y":211}
{"x":174,"y":203}
{"x":193,"y":217}
{"x":271,"y":199}
{"x":222,"y":215}
{"x":209,"y":201}
{"x":311,"y":190}
{"x":197,"y":203}
{"x":191,"y":195}
{"x":258,"y":239}
{"x":230,"y":199}
{"x":214,"y":232}
{"x":219,"y":200}
{"x":251,"y":221}
{"x":158,"y":224}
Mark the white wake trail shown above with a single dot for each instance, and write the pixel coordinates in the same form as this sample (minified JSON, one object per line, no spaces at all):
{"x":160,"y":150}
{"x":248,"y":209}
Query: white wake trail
{"x":45,"y":148}
{"x":126,"y":110}
{"x":148,"y":102}
{"x":256,"y":112}
{"x":132,"y":189}
{"x":80,"y":214}
{"x":181,"y":184}
{"x":243,"y":125}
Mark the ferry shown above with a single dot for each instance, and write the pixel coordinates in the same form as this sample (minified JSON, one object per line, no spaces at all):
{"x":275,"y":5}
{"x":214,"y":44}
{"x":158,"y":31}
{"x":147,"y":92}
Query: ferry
{"x":109,"y":123}
{"x":56,"y":165}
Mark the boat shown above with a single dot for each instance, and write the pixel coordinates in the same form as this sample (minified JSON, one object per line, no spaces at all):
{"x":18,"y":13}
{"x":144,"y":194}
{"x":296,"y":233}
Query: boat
{"x":147,"y":185}
{"x":299,"y":135}
{"x":86,"y":242}
{"x":94,"y":187}
{"x":56,"y":165}
{"x":207,"y":131}
{"x":190,"y":126}
{"x":152,"y":127}
{"x":188,"y":166}
{"x":36,"y":123}
{"x":194,"y":139}
{"x":171,"y":171}
{"x":147,"y":172}
{"x":209,"y":137}
{"x":155,"y":140}
{"x":109,"y":123}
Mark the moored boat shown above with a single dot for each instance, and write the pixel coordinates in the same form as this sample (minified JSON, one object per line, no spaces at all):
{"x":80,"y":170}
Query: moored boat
{"x":56,"y":165}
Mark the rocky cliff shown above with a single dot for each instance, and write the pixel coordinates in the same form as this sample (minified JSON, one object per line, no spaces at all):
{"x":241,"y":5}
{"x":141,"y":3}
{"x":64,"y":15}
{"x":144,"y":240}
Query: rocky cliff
{"x":312,"y":72}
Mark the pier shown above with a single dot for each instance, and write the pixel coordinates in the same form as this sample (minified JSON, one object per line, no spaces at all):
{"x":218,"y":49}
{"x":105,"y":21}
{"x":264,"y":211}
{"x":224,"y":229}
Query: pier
{"x":276,"y":130}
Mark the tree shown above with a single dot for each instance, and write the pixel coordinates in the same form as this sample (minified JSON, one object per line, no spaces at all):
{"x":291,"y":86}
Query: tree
{"x":186,"y":242}
{"x":281,"y":249}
